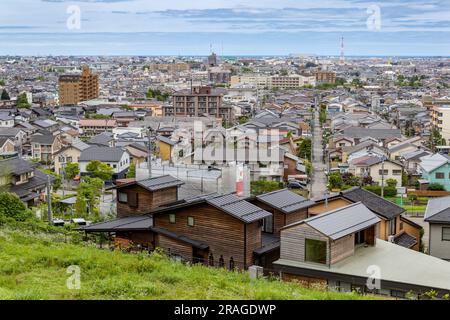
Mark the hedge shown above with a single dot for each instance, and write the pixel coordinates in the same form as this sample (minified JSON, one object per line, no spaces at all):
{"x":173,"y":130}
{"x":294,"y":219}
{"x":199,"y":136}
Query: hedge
{"x":388,"y":191}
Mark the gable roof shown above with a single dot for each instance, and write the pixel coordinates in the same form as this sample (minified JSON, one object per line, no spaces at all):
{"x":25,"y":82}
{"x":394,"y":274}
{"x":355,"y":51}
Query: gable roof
{"x":46,"y":139}
{"x":438,"y":210}
{"x":433,"y":162}
{"x":285,"y":200}
{"x":106,"y":154}
{"x":374,"y":202}
{"x":238,"y":208}
{"x":16,"y":166}
{"x":343,"y":221}
{"x":103,"y":138}
{"x":155,"y":183}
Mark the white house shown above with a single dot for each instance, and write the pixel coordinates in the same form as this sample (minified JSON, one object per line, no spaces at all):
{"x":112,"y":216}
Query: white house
{"x":116,"y":158}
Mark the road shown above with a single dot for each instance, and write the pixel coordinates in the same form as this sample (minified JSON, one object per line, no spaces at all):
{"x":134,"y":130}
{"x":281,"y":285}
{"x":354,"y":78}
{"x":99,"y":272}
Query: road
{"x":319,"y":179}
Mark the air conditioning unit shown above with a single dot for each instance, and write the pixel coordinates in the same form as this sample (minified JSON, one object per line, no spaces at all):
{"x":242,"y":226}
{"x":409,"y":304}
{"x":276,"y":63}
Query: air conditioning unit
{"x":391,"y":239}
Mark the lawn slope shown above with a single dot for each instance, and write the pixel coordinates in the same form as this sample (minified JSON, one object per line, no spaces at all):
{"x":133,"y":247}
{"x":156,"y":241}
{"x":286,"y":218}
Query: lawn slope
{"x":33,"y":265}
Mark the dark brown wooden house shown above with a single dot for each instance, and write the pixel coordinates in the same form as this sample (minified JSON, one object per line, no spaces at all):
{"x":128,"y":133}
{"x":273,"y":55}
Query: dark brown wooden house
{"x":218,"y":230}
{"x":140,"y":197}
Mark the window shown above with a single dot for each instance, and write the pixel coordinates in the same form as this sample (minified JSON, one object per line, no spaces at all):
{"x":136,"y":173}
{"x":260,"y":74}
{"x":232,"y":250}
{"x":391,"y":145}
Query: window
{"x":190,"y":221}
{"x":268,"y":224}
{"x":440,"y":175}
{"x":123,"y":197}
{"x":315,"y":251}
{"x":133,"y":199}
{"x":172,"y":218}
{"x":445,"y":234}
{"x":392,"y":226}
{"x":397,"y":172}
{"x":383,"y":172}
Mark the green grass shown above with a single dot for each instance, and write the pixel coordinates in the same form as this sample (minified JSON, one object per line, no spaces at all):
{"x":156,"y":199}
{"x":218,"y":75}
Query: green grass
{"x":33,"y":265}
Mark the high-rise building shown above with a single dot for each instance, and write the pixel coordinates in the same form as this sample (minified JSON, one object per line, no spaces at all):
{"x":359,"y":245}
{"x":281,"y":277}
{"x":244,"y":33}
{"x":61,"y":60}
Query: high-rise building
{"x":212,"y":60}
{"x":78,"y":87}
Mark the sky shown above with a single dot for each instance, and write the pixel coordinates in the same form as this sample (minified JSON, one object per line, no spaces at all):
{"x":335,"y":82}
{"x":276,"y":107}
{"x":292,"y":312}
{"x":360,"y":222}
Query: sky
{"x":228,"y":27}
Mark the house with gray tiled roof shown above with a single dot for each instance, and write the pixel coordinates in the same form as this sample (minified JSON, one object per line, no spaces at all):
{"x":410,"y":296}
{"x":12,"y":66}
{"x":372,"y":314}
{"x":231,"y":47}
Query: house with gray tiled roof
{"x":117,"y":158}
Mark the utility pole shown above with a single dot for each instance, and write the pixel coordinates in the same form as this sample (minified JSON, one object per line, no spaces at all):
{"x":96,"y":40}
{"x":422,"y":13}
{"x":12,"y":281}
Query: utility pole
{"x":149,"y":158}
{"x":49,"y":200}
{"x":382,"y":178}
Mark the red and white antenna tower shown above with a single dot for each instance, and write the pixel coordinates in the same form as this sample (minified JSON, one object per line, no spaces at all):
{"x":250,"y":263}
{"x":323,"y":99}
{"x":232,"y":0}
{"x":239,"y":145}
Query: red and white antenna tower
{"x":342,"y":60}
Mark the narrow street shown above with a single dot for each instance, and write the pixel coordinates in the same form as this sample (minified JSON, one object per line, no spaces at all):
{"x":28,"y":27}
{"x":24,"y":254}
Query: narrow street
{"x":319,"y":179}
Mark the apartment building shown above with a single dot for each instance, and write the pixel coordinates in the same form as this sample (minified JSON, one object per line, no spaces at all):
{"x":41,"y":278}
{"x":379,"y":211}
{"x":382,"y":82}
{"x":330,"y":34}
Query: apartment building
{"x":78,"y":87}
{"x":325,"y":76}
{"x":92,"y":127}
{"x":294,"y":81}
{"x":440,"y":119}
{"x":197,"y":102}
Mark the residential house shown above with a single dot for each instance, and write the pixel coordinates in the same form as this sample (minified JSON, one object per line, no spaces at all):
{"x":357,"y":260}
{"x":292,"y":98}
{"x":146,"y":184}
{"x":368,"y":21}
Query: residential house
{"x":138,"y":153}
{"x":104,"y":139}
{"x":437,"y":215}
{"x":6,"y":120}
{"x":44,"y":147}
{"x":393,"y":225}
{"x":69,"y":154}
{"x":188,"y":229}
{"x":165,"y":147}
{"x":436,"y":169}
{"x":380,"y":170}
{"x":339,"y":251}
{"x":7,"y":146}
{"x":116,"y":158}
{"x":22,"y":178}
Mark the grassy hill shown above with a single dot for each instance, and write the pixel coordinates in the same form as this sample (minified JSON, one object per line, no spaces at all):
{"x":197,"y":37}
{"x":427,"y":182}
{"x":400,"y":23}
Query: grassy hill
{"x":33,"y":265}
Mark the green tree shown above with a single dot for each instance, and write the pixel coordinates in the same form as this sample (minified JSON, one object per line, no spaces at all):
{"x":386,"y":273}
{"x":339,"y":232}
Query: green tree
{"x":12,"y":207}
{"x":243,"y":119}
{"x":5,"y":95}
{"x":71,"y":170}
{"x":88,"y":194}
{"x":335,"y":180}
{"x":22,"y":101}
{"x":98,"y":169}
{"x":131,"y":171}
{"x":304,"y":149}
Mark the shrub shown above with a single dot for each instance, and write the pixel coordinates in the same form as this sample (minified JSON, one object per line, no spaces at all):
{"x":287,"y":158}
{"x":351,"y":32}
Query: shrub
{"x":12,"y":207}
{"x":388,"y":191}
{"x":391,"y":183}
{"x":436,"y":187}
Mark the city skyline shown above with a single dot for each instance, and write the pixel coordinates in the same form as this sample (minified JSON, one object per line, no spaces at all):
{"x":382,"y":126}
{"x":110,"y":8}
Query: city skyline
{"x":137,"y":27}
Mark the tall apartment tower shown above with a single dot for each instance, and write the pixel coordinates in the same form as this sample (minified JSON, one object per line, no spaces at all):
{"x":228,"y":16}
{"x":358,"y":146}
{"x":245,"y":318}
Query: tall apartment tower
{"x":80,"y":87}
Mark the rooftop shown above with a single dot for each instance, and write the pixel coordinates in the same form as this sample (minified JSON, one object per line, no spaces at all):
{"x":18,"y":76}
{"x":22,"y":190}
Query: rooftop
{"x":285,"y":200}
{"x":398,"y":264}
